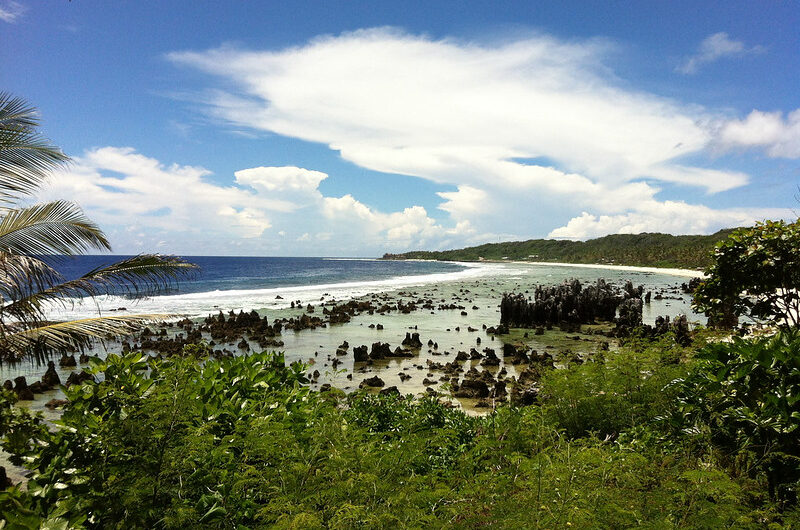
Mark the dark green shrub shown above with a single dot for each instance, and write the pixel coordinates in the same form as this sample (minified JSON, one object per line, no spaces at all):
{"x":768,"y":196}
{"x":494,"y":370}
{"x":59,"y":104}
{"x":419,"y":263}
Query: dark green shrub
{"x":608,"y":397}
{"x":744,"y":398}
{"x":755,"y":273}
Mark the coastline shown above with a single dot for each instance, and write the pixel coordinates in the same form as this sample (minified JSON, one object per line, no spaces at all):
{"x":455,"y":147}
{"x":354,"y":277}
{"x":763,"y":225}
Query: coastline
{"x":688,"y":273}
{"x":451,"y":310}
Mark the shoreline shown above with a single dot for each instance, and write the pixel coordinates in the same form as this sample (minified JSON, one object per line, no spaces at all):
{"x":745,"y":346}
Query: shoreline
{"x":201,"y":304}
{"x":688,"y":273}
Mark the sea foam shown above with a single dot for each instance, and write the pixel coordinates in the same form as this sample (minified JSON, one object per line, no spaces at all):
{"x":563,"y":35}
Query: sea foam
{"x":204,"y":303}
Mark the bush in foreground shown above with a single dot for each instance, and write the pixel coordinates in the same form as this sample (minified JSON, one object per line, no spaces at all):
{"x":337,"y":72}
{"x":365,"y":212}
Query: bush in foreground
{"x":243,"y":443}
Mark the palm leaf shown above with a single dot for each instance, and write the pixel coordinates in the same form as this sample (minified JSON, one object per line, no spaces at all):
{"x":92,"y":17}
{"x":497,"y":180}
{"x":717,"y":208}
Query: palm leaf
{"x":26,"y":157}
{"x":22,"y":275}
{"x":41,"y":341}
{"x":142,"y":275}
{"x":58,"y":227}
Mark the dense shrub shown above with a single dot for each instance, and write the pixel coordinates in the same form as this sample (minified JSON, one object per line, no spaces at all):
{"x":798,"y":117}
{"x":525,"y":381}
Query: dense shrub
{"x":755,"y":273}
{"x":743,"y":397}
{"x":188,"y":443}
{"x":605,"y":398}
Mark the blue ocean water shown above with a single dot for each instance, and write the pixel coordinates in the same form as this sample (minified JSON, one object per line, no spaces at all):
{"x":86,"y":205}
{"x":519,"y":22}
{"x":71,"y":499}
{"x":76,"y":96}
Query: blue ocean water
{"x":225,"y":273}
{"x":245,"y":283}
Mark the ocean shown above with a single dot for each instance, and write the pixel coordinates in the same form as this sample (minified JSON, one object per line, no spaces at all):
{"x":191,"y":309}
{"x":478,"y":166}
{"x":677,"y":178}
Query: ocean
{"x":231,"y":283}
{"x":269,"y":284}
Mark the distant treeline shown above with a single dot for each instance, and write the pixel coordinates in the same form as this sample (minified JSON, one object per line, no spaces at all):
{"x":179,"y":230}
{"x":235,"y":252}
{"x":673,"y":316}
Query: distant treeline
{"x":644,"y":250}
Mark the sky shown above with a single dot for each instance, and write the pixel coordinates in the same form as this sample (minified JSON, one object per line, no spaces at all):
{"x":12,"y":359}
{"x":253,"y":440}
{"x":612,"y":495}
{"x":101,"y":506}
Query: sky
{"x":357,"y":128}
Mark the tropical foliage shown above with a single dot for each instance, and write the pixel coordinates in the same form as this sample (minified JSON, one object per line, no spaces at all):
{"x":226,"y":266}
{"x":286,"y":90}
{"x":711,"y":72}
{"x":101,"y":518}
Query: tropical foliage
{"x":243,"y":443}
{"x":744,"y":397}
{"x":29,"y":283}
{"x":755,"y":273}
{"x":647,"y":250}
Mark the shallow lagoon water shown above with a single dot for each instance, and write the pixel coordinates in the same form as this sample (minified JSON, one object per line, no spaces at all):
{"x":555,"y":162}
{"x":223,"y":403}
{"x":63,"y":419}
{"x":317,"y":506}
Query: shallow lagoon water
{"x":477,"y":285}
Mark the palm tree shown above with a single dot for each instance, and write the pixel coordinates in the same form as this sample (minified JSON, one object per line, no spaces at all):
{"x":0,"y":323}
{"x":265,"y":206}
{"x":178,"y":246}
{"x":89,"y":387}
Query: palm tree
{"x":29,"y":285}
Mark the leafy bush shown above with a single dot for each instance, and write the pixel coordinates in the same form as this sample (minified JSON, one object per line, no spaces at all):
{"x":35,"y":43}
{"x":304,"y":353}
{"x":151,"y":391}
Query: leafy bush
{"x":744,"y":398}
{"x":755,"y":273}
{"x":243,"y":443}
{"x":611,"y":396}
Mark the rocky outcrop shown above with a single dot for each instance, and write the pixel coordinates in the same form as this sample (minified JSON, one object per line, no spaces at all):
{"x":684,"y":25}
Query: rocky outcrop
{"x":472,"y":388}
{"x":360,"y":354}
{"x":50,"y":377}
{"x":374,"y":382}
{"x":76,"y":378}
{"x":570,"y":302}
{"x":380,"y":350}
{"x":21,"y":388}
{"x":412,"y":341}
{"x":67,"y":361}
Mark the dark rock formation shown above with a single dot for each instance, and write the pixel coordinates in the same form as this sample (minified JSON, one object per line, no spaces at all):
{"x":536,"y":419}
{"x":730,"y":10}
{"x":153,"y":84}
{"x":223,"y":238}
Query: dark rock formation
{"x":5,"y":482}
{"x":380,"y":350}
{"x":23,"y":391}
{"x":569,"y":302}
{"x":472,"y":388}
{"x":55,"y":403}
{"x":50,"y":377}
{"x":76,"y":378}
{"x":412,"y":341}
{"x":360,"y":354}
{"x":688,"y":288}
{"x":491,"y":358}
{"x":67,"y":361}
{"x":375,"y":382}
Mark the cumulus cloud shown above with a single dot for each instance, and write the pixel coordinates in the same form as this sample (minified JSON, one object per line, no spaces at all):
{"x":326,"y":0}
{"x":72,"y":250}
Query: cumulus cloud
{"x":713,"y":48}
{"x":671,"y":217}
{"x":119,"y":186}
{"x":281,"y":178}
{"x":779,"y":136}
{"x":534,"y":130}
{"x":146,"y":205}
{"x":461,"y":113}
{"x":464,"y":202}
{"x":397,"y":229}
{"x":11,"y":11}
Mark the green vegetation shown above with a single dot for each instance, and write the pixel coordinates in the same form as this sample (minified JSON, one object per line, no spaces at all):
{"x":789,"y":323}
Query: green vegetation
{"x":755,"y":273}
{"x":653,"y":436}
{"x":644,"y":250}
{"x":27,"y":233}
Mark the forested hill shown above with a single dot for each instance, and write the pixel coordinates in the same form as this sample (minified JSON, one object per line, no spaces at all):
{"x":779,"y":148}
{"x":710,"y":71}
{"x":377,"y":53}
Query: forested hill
{"x":651,"y":250}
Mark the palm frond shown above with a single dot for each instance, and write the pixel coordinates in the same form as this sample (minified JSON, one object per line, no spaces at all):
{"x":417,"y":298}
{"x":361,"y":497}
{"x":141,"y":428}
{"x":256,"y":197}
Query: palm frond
{"x":58,"y":227}
{"x":26,"y":157}
{"x":142,"y":275}
{"x":40,"y":342}
{"x":20,"y":276}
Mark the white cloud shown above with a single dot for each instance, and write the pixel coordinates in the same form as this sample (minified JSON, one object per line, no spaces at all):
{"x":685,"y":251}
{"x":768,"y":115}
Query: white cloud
{"x":671,"y":217}
{"x":464,"y":202}
{"x":778,"y":136}
{"x":461,"y":113}
{"x":281,"y":178}
{"x":119,"y":186}
{"x":529,"y":132}
{"x":11,"y":11}
{"x":397,"y":229}
{"x":713,"y":48}
{"x":146,"y":205}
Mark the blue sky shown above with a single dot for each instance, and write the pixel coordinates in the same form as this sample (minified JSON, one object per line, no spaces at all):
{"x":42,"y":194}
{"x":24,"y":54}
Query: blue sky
{"x":356,"y":128}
